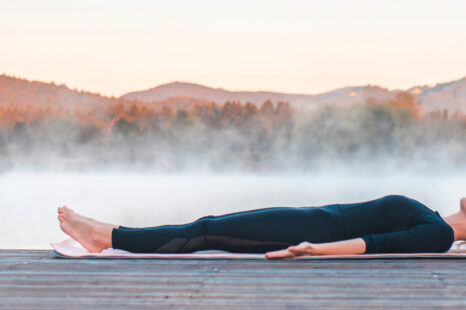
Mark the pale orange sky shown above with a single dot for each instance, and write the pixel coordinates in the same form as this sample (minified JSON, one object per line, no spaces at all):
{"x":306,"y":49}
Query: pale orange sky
{"x":113,"y":47}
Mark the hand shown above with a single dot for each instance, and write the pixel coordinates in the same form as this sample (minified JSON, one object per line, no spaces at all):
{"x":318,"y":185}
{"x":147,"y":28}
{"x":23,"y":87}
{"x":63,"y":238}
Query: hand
{"x":304,"y":248}
{"x":280,"y":254}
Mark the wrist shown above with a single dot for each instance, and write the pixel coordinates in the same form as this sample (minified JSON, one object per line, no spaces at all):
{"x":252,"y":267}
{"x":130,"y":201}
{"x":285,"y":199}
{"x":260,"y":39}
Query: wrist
{"x":318,"y":249}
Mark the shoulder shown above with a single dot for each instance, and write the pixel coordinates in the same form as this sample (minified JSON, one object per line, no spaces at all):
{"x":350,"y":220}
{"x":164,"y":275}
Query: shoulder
{"x":403,"y":206}
{"x":410,"y":203}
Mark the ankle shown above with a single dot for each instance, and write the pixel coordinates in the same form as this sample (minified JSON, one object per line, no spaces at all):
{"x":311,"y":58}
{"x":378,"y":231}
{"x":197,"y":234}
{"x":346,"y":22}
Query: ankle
{"x":101,"y":236}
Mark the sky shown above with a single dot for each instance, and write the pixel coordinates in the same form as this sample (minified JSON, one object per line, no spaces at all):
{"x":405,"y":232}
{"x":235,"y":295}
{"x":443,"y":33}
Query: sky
{"x":113,"y":47}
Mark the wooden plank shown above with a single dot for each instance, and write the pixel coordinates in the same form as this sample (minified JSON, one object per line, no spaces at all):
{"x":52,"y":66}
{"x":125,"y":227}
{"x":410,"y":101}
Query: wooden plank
{"x":35,"y":279}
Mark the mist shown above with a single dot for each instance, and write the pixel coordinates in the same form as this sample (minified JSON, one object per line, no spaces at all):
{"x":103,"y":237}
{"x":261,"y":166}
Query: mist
{"x":29,"y":200}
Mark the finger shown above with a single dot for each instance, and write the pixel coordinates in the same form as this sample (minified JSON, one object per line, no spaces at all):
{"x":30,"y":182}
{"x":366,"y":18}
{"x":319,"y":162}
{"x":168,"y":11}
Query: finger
{"x":279,"y":254}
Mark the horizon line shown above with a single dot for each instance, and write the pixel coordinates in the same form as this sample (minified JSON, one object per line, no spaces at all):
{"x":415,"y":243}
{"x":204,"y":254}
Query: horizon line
{"x":224,"y":89}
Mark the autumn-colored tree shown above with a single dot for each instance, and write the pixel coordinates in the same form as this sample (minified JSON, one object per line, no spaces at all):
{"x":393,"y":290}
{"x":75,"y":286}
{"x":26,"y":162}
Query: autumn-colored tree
{"x":167,"y":114}
{"x":267,"y":109}
{"x":406,"y":101}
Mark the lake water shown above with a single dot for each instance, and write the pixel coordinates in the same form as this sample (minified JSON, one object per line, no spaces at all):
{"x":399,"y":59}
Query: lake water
{"x":28,"y":201}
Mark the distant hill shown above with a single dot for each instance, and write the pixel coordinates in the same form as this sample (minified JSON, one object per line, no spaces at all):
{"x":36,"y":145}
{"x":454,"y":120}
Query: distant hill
{"x":351,"y":95}
{"x":178,"y":89}
{"x":449,"y":96}
{"x":345,"y":95}
{"x":21,"y":93}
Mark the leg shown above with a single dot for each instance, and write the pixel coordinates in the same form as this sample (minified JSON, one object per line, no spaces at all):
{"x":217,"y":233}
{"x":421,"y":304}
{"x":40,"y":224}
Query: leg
{"x":255,"y":231}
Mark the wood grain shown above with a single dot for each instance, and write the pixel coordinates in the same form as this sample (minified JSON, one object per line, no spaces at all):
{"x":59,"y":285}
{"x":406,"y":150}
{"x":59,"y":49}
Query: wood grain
{"x":37,"y":280}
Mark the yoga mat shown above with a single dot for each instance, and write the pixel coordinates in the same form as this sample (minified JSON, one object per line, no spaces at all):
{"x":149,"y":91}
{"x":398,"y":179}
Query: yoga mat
{"x":71,"y":249}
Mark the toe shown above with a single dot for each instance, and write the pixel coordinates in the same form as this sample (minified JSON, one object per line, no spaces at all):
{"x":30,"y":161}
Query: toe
{"x":65,"y":209}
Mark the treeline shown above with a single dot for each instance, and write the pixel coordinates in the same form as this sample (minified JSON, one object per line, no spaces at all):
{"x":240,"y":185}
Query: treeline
{"x":182,"y":134}
{"x":145,"y":116}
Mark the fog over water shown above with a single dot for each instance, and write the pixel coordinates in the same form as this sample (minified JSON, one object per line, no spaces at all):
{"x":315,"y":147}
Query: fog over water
{"x":29,"y":200}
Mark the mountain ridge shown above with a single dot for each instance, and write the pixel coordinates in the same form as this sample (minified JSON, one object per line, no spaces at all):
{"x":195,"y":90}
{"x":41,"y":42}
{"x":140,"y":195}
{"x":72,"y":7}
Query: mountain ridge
{"x":449,"y":96}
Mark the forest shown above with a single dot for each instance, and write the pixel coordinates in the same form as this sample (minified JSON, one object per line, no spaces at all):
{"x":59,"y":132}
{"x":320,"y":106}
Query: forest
{"x":186,"y":134}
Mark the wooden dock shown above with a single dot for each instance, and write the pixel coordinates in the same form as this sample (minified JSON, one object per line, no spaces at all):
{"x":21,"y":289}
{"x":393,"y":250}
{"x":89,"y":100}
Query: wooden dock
{"x":37,"y":280}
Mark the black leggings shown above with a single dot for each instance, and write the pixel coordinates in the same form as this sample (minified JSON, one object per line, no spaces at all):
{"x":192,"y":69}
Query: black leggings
{"x":255,"y":231}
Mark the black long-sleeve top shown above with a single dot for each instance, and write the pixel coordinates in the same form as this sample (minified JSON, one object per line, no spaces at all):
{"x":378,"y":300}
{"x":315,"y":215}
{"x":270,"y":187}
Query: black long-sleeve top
{"x":391,"y":224}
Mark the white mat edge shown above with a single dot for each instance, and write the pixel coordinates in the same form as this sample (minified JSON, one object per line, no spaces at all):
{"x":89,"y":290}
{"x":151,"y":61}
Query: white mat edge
{"x":80,"y":252}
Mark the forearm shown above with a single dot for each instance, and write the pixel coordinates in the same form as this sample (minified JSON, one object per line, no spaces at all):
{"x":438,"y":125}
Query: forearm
{"x":348,"y":247}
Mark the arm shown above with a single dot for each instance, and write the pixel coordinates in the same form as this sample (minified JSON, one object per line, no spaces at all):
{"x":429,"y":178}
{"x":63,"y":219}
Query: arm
{"x":348,"y":247}
{"x":422,"y":238}
{"x":426,"y":237}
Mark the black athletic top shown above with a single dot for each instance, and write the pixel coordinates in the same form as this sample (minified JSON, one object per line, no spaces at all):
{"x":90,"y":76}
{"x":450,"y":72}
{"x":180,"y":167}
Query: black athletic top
{"x":391,"y":224}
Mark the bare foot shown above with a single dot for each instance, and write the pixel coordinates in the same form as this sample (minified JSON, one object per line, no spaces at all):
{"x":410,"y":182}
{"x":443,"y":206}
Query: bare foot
{"x":91,"y":234}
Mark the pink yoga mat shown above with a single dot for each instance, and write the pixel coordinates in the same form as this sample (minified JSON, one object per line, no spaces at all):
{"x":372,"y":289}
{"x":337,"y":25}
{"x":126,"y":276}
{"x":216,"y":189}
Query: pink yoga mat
{"x":72,"y":249}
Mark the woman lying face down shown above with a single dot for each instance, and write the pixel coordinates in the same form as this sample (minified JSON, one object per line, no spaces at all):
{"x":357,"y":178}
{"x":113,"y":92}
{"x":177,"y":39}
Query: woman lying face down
{"x":391,"y":224}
